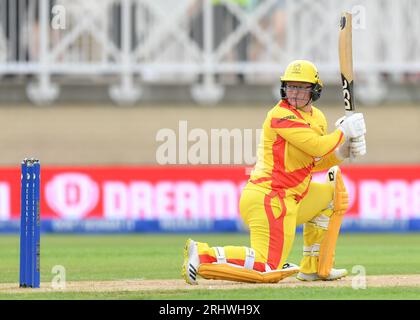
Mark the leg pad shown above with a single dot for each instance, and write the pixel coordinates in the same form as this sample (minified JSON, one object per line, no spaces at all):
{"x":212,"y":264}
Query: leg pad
{"x":231,"y":273}
{"x":328,"y":244}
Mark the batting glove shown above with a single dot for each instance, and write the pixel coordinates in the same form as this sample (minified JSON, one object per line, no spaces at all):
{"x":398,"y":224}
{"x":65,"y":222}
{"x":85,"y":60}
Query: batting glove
{"x":352,"y":126}
{"x":358,"y":146}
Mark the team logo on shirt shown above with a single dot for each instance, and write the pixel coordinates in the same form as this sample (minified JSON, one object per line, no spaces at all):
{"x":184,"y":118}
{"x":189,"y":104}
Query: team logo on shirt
{"x":287,"y":118}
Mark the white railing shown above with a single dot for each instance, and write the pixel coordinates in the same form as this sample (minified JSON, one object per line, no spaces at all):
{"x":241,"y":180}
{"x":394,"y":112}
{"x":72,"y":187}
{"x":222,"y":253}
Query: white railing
{"x":129,"y":43}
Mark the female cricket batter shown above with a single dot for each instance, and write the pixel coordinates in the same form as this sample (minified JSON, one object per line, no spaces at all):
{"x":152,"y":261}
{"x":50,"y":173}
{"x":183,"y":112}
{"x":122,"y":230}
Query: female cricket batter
{"x":280,"y":195}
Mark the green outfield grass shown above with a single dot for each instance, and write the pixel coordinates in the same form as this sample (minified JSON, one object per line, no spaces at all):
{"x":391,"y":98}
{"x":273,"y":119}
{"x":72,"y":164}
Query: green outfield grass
{"x":118,"y":257}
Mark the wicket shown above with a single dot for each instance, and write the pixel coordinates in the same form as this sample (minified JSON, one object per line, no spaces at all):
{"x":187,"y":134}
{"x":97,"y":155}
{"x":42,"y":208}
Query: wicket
{"x":30,"y":224}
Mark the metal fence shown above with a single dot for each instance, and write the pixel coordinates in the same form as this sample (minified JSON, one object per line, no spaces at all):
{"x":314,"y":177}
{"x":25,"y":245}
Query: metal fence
{"x":206,"y":44}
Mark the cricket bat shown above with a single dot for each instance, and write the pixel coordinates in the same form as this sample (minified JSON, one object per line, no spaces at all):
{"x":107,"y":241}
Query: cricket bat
{"x":345,"y":54}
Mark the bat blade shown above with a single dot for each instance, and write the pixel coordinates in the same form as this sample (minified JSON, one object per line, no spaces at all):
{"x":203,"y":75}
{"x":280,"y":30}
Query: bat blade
{"x":345,"y":54}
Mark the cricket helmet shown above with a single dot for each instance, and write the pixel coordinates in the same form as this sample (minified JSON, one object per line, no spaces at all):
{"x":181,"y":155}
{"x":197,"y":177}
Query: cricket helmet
{"x":302,"y":71}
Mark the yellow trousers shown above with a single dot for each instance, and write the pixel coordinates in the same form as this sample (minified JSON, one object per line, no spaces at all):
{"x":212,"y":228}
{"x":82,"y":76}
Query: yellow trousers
{"x":272,"y":222}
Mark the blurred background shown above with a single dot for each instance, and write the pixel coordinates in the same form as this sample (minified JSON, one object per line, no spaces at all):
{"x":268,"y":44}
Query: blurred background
{"x":88,"y":86}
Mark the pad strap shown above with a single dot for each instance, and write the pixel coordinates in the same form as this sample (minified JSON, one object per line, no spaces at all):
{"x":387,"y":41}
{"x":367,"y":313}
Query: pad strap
{"x":250,"y":258}
{"x":220,"y":254}
{"x":321,"y":221}
{"x":311,"y":251}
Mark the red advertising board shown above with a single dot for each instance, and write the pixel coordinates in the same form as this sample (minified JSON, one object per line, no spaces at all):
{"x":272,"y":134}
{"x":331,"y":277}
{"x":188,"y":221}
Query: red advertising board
{"x":204,"y":192}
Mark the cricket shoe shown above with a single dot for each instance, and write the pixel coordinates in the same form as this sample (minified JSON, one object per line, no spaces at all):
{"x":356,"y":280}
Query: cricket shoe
{"x":290,"y":269}
{"x":335,"y":274}
{"x":191,"y":262}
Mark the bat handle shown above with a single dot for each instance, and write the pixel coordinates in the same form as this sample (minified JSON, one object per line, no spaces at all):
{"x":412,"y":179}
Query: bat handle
{"x":351,"y":157}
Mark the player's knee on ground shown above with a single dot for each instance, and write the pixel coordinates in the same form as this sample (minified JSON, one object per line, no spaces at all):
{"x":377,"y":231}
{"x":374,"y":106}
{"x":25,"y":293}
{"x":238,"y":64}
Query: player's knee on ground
{"x":238,"y":264}
{"x":233,"y":273}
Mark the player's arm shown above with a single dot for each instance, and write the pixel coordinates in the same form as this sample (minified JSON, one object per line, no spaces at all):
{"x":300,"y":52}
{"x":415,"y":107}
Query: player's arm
{"x":302,"y":136}
{"x":356,"y":147}
{"x":333,"y":158}
{"x":330,"y":160}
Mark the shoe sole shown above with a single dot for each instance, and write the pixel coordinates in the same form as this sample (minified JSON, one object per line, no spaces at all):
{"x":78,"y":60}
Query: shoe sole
{"x":320,"y":279}
{"x":185,"y":264}
{"x":308,"y":280}
{"x":334,"y":278}
{"x":344,"y":275}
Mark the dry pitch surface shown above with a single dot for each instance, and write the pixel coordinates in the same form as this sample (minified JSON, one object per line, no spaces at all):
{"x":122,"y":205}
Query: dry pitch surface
{"x":147,"y":285}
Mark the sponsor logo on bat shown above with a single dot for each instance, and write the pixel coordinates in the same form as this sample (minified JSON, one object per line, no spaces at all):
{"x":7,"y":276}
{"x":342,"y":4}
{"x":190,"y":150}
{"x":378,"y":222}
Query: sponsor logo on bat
{"x":347,"y":94}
